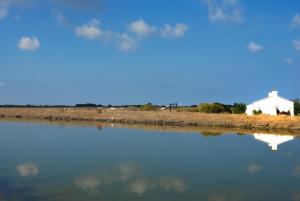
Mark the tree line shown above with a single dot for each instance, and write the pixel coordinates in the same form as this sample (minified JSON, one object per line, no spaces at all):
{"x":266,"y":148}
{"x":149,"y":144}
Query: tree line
{"x":236,"y":108}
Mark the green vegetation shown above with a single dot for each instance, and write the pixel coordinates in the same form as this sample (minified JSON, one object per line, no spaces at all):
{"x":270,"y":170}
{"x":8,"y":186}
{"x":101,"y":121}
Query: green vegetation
{"x":148,"y":107}
{"x":88,"y":105}
{"x":239,"y":108}
{"x":257,"y":112}
{"x":187,"y":109}
{"x":211,"y":108}
{"x":297,"y":106}
{"x":211,"y":134}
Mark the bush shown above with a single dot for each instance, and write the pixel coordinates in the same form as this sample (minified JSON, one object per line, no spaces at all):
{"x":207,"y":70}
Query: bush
{"x":297,"y":106}
{"x":187,"y":109}
{"x":211,"y":108}
{"x":148,"y":107}
{"x":239,"y":108}
{"x":87,"y":105}
{"x":257,"y":112}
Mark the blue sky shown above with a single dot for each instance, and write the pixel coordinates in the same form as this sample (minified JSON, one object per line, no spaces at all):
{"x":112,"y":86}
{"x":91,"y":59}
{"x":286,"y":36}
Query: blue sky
{"x":138,"y":51}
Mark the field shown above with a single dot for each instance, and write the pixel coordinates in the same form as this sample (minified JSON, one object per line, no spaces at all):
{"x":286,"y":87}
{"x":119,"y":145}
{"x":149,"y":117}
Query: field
{"x":160,"y":118}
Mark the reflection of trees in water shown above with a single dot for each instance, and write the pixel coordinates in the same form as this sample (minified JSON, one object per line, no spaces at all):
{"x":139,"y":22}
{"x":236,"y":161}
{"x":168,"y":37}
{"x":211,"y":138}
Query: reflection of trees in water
{"x":211,"y":134}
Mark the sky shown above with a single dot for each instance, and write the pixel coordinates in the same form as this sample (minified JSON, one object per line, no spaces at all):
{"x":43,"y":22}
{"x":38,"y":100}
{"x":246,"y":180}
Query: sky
{"x":140,"y":51}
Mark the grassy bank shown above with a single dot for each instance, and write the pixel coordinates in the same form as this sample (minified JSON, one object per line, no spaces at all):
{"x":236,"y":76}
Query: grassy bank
{"x":181,"y":119}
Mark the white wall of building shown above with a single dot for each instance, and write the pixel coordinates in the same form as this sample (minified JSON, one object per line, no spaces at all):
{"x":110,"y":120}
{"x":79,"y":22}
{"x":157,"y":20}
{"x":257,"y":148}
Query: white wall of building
{"x":273,"y":140}
{"x":271,"y":104}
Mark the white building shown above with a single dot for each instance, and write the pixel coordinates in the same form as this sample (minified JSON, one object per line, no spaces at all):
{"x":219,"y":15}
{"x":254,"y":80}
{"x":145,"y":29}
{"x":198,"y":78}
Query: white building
{"x":272,"y":105}
{"x":273,"y":140}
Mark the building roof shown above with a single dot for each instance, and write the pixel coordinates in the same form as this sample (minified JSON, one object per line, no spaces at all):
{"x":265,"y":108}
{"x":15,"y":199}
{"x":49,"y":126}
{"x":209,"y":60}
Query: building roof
{"x":274,"y":100}
{"x":273,"y":96}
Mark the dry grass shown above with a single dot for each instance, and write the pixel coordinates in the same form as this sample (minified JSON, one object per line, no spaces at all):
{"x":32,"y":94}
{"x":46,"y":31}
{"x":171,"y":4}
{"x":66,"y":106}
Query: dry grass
{"x":159,"y":117}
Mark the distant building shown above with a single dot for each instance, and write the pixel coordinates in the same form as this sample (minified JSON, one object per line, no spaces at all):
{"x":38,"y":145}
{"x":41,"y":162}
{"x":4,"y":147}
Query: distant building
{"x":273,"y":140}
{"x":272,"y":105}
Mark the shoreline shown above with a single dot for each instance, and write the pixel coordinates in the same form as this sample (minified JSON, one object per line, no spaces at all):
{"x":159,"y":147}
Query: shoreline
{"x":159,"y":118}
{"x":204,"y":130}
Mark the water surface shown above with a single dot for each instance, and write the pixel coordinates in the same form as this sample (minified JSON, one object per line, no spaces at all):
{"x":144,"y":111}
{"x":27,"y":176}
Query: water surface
{"x":46,"y":162}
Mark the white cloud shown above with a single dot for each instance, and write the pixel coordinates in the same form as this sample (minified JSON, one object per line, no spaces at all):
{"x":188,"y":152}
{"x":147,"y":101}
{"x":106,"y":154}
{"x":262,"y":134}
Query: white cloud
{"x":60,"y":18}
{"x":29,"y":43}
{"x":225,"y":11}
{"x":254,"y":47}
{"x":3,"y":13}
{"x":295,"y":21}
{"x":28,"y":169}
{"x":289,"y":61}
{"x":93,"y":31}
{"x":5,"y":5}
{"x":125,"y":43}
{"x":177,"y":31}
{"x":141,"y":28}
{"x":296,"y":44}
{"x":90,"y":30}
{"x":1,"y":84}
{"x":254,"y":168}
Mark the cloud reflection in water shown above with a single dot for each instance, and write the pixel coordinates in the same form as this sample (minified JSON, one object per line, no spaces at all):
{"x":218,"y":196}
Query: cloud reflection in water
{"x":226,"y":196}
{"x":127,"y":173}
{"x":254,"y":168}
{"x":28,"y":169}
{"x":88,"y":183}
{"x":141,"y":185}
{"x":297,"y":170}
{"x":175,"y":183}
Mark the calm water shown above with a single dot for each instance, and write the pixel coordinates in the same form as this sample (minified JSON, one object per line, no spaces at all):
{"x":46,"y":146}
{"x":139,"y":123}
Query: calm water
{"x":45,"y":162}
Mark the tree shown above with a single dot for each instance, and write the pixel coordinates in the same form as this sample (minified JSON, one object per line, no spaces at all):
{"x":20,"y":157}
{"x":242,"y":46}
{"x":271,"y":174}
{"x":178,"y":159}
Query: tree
{"x":148,"y":107}
{"x":86,"y":105}
{"x":239,"y":108}
{"x":297,"y":106}
{"x":211,"y":108}
{"x":257,"y":112}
